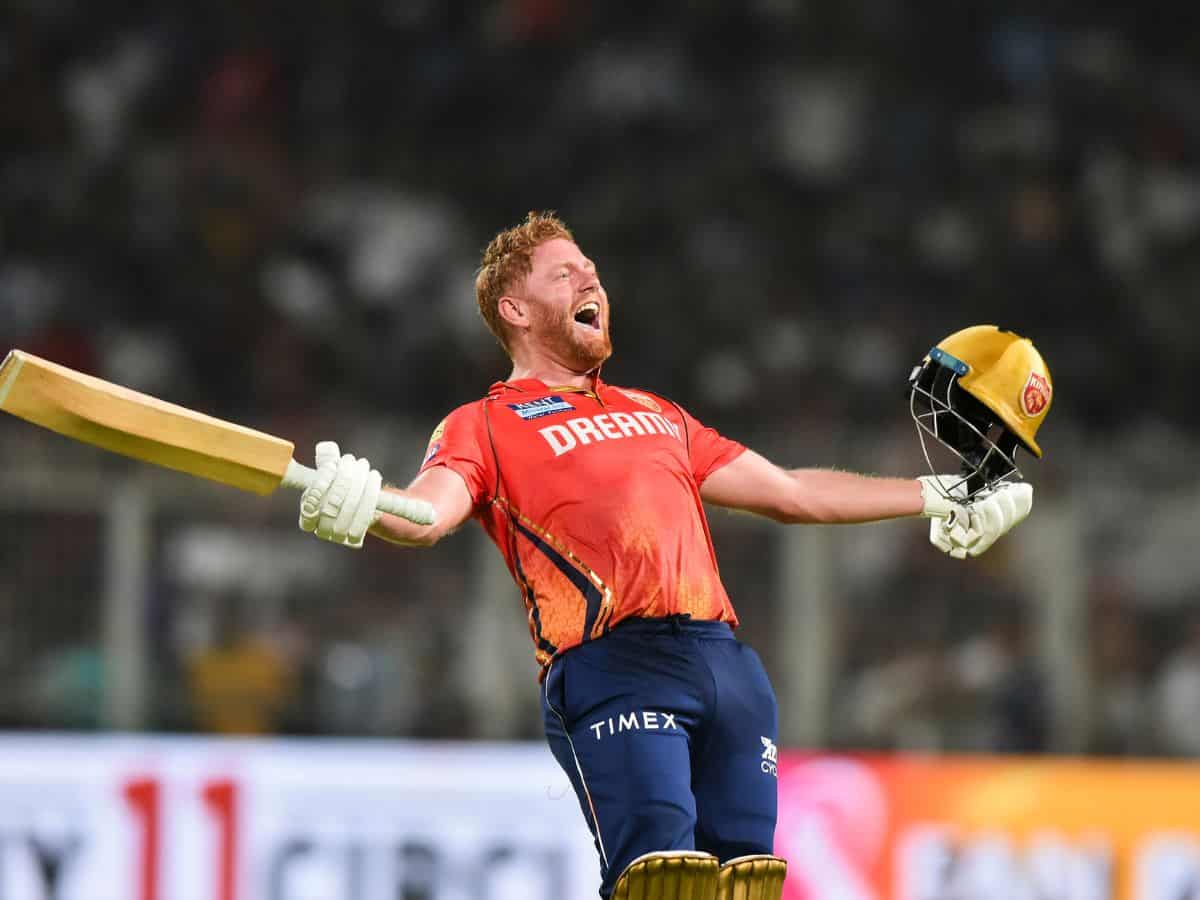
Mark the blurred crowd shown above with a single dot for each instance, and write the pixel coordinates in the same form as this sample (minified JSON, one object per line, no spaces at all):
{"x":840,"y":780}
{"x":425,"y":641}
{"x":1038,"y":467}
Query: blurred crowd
{"x":273,"y":212}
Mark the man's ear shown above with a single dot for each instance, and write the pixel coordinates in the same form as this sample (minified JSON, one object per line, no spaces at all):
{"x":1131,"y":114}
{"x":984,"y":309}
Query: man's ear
{"x":512,"y":310}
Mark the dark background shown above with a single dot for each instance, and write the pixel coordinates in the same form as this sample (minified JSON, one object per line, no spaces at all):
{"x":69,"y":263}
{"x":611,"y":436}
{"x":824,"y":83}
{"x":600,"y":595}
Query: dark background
{"x":273,"y":212}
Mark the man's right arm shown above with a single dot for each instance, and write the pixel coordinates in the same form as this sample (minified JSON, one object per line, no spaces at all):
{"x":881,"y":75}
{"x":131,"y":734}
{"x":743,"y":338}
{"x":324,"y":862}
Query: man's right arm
{"x":342,"y":503}
{"x":448,"y":493}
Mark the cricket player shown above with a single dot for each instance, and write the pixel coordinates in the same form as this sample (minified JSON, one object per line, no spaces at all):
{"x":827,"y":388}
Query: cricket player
{"x":665,"y":724}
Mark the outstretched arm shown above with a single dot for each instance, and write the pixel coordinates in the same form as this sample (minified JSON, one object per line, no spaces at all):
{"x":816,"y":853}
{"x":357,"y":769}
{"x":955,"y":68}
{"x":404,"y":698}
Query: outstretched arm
{"x":447,"y":492}
{"x":342,"y":503}
{"x":821,"y":496}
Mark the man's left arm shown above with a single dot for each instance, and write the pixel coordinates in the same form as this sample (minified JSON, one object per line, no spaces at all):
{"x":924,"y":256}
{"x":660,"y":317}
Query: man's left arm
{"x":753,"y":483}
{"x":822,"y":496}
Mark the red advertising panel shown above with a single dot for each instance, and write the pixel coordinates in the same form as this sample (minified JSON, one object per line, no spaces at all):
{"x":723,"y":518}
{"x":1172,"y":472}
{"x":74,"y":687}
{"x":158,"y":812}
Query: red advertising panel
{"x":914,"y":828}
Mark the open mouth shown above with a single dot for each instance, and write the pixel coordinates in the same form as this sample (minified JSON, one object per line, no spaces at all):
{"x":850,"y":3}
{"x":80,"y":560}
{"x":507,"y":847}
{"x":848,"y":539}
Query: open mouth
{"x":589,"y":314}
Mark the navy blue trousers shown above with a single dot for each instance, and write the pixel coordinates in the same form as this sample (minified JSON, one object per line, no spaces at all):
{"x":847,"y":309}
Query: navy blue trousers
{"x":667,"y":729}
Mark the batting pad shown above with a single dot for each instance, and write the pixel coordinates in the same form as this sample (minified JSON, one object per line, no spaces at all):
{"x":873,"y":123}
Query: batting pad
{"x":758,"y":877}
{"x":670,"y":875}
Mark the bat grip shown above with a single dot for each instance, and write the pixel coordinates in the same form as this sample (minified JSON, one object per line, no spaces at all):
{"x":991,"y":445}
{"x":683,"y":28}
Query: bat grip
{"x":419,"y":512}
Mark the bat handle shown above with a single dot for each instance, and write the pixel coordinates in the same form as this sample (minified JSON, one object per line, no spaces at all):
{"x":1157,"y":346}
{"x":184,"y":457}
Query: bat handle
{"x":419,"y":512}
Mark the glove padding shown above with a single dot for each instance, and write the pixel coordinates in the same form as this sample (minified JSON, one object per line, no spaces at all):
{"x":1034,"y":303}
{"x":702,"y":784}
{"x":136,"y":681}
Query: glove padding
{"x":341,"y":503}
{"x":971,"y":529}
{"x":942,"y":495}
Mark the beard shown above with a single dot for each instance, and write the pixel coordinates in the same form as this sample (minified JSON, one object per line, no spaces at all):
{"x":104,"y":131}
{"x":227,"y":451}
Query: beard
{"x":579,"y":347}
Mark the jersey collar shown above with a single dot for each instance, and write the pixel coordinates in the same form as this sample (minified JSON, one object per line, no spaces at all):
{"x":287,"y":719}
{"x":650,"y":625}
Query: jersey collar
{"x":537,"y":386}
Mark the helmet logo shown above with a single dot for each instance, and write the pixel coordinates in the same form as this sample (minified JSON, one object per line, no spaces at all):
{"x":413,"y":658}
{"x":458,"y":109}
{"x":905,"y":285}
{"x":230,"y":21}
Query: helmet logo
{"x":1035,"y":397}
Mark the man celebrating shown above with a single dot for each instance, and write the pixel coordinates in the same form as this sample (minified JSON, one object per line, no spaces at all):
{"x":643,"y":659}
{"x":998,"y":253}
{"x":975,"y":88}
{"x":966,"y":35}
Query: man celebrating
{"x":594,"y":495}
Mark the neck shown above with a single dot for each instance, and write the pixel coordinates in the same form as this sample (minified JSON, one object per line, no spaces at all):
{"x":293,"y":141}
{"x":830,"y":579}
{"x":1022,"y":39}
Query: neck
{"x":554,"y":374}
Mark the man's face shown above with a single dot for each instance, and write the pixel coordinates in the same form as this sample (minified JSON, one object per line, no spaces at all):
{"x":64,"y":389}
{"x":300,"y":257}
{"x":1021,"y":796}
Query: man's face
{"x":568,"y":308}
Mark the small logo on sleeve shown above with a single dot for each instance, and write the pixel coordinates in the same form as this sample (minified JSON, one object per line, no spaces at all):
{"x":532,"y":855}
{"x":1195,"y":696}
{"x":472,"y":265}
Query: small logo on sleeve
{"x":638,"y":397}
{"x":435,"y":442}
{"x":535,"y":409}
{"x":770,"y":757}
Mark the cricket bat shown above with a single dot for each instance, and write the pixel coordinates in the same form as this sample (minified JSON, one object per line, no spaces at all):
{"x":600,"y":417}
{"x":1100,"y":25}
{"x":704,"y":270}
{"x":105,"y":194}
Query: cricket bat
{"x":89,"y":409}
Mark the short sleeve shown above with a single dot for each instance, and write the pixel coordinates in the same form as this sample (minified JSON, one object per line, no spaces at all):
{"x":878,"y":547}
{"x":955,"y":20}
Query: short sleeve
{"x":708,"y":448}
{"x":459,"y":444}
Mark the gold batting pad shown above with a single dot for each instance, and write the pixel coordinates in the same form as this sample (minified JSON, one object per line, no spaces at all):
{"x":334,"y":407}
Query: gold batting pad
{"x":669,"y":875}
{"x":758,"y":877}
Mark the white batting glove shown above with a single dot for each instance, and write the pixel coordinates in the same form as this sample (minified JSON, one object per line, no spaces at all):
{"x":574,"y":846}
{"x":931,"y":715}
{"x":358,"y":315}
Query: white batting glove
{"x":943,"y":495}
{"x":953,"y":534}
{"x":311,"y":500}
{"x":945,"y":507}
{"x":341,"y":504}
{"x":989,"y":519}
{"x":998,"y":513}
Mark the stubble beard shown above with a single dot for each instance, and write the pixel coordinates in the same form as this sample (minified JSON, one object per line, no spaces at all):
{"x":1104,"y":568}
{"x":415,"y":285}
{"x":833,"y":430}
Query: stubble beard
{"x":580,"y":351}
{"x":589,"y":350}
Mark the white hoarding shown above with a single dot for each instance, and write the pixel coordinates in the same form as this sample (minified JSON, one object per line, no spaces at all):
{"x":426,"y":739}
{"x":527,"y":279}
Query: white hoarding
{"x":178,"y":819}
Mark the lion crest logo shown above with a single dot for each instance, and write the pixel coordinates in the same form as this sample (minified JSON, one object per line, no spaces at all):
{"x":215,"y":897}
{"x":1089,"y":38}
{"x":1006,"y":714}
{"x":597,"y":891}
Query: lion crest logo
{"x":1035,"y":396}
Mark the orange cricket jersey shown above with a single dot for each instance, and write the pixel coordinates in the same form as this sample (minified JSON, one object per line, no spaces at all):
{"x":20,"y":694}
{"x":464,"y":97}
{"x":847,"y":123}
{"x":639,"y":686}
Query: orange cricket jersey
{"x":593,"y":497}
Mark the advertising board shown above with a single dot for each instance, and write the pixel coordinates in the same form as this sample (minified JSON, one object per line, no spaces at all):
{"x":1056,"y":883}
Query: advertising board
{"x":145,"y":819}
{"x":138,"y":818}
{"x":938,"y":828}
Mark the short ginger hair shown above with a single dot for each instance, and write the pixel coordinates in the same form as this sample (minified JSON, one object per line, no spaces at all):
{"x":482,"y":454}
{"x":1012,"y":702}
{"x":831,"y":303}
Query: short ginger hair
{"x":508,"y":259}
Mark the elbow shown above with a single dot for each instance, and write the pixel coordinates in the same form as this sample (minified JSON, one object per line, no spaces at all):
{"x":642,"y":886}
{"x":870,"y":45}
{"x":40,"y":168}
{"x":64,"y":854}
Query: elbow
{"x":788,"y":514}
{"x":425,"y":537}
{"x":415,"y":541}
{"x":408,"y":537}
{"x":808,"y":516}
{"x":428,"y":537}
{"x":806,"y":508}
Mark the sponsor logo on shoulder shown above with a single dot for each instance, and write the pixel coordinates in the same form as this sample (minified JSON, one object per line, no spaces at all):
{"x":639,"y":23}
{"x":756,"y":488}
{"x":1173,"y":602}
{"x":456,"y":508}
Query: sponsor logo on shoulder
{"x":1035,"y":396}
{"x":770,"y":757}
{"x":545,"y":406}
{"x":646,"y":401}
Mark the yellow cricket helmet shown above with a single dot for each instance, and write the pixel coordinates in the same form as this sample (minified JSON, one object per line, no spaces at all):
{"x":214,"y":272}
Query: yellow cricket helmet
{"x":982,"y":392}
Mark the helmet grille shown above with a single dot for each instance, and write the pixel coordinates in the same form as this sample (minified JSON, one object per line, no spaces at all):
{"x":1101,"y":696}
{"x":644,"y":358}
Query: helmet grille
{"x":943,"y":410}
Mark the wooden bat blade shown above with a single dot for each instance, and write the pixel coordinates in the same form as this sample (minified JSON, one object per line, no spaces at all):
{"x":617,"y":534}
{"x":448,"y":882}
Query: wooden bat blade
{"x":142,"y":427}
{"x":89,"y":409}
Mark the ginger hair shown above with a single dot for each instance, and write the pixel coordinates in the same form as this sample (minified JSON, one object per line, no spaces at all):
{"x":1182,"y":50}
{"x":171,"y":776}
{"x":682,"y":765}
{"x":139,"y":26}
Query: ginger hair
{"x":508,"y":259}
